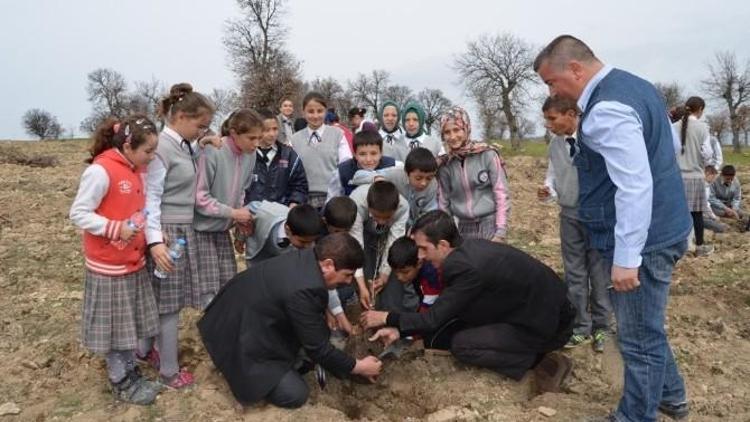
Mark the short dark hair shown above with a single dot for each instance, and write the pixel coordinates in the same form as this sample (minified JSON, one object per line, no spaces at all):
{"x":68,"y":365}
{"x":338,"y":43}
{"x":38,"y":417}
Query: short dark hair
{"x":342,"y":248}
{"x":304,"y":220}
{"x":383,"y":196}
{"x":340,"y":212}
{"x":563,"y":49}
{"x":357,"y":111}
{"x":368,"y":137}
{"x":299,"y":124}
{"x":403,"y":253}
{"x":560,"y":104}
{"x":266,"y":114}
{"x":420,"y":159}
{"x":728,"y":170}
{"x":314,"y":96}
{"x":437,"y":225}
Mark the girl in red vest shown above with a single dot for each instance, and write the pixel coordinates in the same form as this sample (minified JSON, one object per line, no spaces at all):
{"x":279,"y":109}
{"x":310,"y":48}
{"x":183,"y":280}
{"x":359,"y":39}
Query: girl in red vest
{"x":119,"y":306}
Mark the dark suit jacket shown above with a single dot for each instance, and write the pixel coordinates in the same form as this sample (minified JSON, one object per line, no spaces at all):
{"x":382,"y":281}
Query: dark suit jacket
{"x":255,"y":327}
{"x":488,"y":283}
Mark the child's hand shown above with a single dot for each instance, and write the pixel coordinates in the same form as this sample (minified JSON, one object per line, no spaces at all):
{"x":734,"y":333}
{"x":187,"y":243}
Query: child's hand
{"x":292,"y":205}
{"x":239,"y":246}
{"x":246,"y":229}
{"x":364,"y":294}
{"x":242,"y":215}
{"x":373,"y":319}
{"x":214,"y":140}
{"x":498,"y":239}
{"x":379,"y":283}
{"x":344,"y":324}
{"x":331,"y":321}
{"x":160,"y":254}
{"x":126,"y":233}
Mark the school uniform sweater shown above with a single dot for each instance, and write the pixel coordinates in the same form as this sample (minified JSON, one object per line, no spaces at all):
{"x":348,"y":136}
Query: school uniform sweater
{"x":562,"y":175}
{"x":434,"y":145}
{"x":278,"y":176}
{"x":723,"y":196}
{"x":223,"y":176}
{"x":697,"y":149}
{"x":321,"y":150}
{"x":420,"y":203}
{"x":110,"y":192}
{"x":474,"y":188}
{"x":170,"y":184}
{"x":363,"y":222}
{"x":394,"y":144}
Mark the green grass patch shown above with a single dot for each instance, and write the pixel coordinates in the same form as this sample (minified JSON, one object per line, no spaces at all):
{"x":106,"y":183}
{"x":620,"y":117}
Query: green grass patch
{"x":741,"y":159}
{"x":529,"y":147}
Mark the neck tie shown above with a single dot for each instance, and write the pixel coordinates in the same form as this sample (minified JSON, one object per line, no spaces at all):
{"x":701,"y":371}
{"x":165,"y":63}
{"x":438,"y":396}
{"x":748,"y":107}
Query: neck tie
{"x":389,"y":138}
{"x":283,"y":243}
{"x":314,"y":138}
{"x":572,"y":142}
{"x":263,"y":154}
{"x":190,"y":150}
{"x":414,"y":143}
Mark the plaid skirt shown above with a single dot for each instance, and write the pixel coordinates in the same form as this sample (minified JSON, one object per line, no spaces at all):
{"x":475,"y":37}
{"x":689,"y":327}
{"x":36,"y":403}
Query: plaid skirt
{"x":481,"y":228}
{"x":695,"y":193}
{"x":216,"y":263}
{"x":181,"y":288}
{"x":118,"y":311}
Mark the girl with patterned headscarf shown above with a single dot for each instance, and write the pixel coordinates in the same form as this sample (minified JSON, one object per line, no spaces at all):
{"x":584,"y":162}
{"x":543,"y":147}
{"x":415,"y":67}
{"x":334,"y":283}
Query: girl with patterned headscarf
{"x":413,"y":121}
{"x":472,"y":183}
{"x":394,"y":144}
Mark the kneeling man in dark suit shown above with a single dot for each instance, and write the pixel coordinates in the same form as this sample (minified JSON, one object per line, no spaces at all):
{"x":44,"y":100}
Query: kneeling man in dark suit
{"x":256,"y":326}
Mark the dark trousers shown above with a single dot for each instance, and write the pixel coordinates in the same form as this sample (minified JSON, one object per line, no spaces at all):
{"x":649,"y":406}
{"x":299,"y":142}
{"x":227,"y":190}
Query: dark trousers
{"x":508,"y":349}
{"x":291,"y":392}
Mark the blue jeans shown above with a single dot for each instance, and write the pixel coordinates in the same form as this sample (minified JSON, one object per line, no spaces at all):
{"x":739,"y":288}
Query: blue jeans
{"x":651,"y":374}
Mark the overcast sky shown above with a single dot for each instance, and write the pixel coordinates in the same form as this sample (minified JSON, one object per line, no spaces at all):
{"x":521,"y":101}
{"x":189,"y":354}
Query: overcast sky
{"x":48,"y":46}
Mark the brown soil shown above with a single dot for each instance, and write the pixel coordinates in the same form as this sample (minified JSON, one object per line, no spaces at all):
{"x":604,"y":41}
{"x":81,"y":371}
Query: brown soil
{"x":50,"y":377}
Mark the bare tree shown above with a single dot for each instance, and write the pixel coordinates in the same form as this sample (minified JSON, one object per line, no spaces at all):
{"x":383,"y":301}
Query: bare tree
{"x":42,"y":124}
{"x":369,"y":90}
{"x":718,"y":124}
{"x":526,"y":127}
{"x":671,"y":93}
{"x":502,"y":63}
{"x":400,"y":94}
{"x":435,"y":104}
{"x":731,"y":84}
{"x":145,"y":98}
{"x":255,"y":43}
{"x":491,"y":116}
{"x":338,"y":98}
{"x":743,"y":121}
{"x":225,"y":101}
{"x":108,"y":94}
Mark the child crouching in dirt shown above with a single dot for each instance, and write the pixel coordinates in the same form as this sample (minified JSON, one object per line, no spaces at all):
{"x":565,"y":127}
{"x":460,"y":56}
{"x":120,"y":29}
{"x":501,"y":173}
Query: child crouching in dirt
{"x":119,"y":306}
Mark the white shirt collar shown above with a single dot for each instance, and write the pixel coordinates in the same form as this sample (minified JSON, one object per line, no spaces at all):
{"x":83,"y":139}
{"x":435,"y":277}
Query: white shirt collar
{"x":583,"y":101}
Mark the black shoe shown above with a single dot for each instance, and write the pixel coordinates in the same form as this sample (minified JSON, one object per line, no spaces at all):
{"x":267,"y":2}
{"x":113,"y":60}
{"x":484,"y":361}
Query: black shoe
{"x":675,"y":411}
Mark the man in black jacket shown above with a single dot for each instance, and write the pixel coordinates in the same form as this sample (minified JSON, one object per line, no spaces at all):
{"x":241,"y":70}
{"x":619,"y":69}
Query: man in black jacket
{"x":256,"y":326}
{"x":501,"y":308}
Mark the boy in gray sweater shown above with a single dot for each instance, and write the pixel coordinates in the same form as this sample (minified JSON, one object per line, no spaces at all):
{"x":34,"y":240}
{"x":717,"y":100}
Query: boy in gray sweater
{"x":726,"y":197}
{"x":585,"y":274}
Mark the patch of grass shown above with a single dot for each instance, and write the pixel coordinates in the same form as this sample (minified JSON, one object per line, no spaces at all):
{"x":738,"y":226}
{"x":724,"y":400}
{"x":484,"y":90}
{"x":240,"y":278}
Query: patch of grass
{"x":736,"y":159}
{"x":529,"y":147}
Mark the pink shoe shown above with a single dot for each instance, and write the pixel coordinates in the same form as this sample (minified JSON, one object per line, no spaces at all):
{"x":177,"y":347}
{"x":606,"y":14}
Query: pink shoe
{"x":151,"y":358}
{"x":180,"y":380}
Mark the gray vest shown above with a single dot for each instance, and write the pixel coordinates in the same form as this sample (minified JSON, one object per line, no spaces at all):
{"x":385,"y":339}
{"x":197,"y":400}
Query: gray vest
{"x":566,"y":176}
{"x":691,"y":161}
{"x":178,"y":199}
{"x":319,"y":158}
{"x":398,"y":148}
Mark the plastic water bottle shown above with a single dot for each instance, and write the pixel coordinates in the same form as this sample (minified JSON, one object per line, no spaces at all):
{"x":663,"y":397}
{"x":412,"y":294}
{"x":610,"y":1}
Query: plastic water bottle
{"x":176,"y":250}
{"x":137,"y":221}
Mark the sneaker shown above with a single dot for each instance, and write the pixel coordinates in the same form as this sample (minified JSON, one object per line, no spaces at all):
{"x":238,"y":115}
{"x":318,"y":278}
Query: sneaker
{"x":152,"y":358}
{"x":704,"y":250}
{"x":600,"y":336}
{"x":321,"y":377}
{"x":577,"y":340}
{"x":135,"y":389}
{"x":180,"y":380}
{"x":675,"y":411}
{"x":552,"y":372}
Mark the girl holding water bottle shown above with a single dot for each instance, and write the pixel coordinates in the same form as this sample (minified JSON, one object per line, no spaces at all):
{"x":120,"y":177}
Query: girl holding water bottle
{"x":119,"y":306}
{"x":170,"y":200}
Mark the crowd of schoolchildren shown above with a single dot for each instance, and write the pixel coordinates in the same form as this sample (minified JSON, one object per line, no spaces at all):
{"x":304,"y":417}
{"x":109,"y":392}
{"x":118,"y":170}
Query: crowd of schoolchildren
{"x":269,"y":183}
